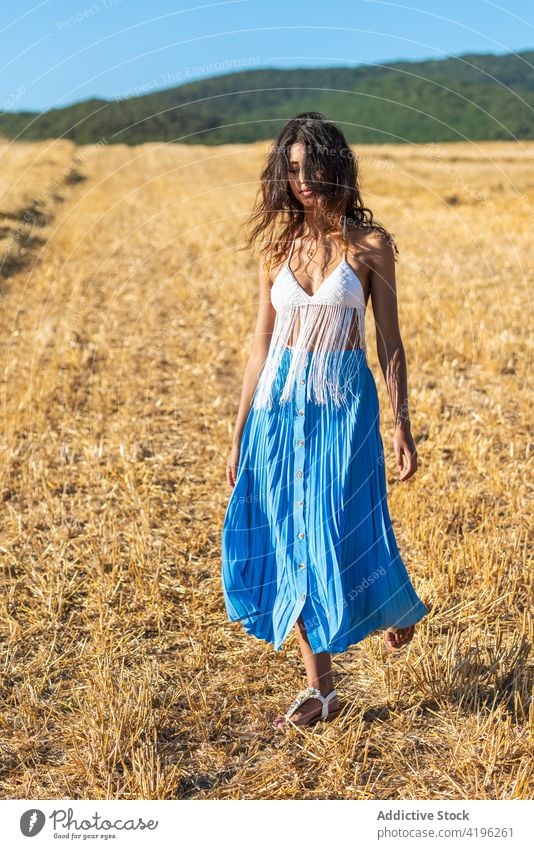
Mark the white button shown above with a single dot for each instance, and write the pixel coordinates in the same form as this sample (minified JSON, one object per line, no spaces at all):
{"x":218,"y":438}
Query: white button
{"x":301,"y":536}
{"x":301,"y":412}
{"x":302,"y":380}
{"x":302,"y":565}
{"x":300,"y":474}
{"x":301,"y":442}
{"x":300,"y":503}
{"x":303,"y":597}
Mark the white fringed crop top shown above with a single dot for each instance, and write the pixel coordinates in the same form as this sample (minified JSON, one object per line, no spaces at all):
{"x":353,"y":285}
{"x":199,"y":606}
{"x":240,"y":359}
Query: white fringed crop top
{"x":322,"y":325}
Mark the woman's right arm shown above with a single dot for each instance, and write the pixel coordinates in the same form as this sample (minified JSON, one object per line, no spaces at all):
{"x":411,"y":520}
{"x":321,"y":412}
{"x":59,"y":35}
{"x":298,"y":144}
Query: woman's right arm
{"x":258,"y":354}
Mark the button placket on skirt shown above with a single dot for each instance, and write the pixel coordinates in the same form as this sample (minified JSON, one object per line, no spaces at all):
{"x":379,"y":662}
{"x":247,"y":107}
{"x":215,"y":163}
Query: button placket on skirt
{"x":300,"y":547}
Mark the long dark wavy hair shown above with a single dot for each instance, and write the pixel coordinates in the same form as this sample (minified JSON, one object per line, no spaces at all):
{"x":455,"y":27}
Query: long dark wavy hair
{"x":330,"y":169}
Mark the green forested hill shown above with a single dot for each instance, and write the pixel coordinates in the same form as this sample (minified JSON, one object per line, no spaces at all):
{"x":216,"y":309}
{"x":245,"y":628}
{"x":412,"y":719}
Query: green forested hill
{"x":472,"y":96}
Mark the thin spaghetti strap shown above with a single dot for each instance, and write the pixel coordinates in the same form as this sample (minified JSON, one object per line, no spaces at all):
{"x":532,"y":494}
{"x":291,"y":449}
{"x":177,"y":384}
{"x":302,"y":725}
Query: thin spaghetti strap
{"x":290,"y":252}
{"x":344,"y":236}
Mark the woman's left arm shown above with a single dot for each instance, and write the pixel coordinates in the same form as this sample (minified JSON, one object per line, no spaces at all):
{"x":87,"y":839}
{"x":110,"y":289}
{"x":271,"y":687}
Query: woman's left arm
{"x":390,"y":349}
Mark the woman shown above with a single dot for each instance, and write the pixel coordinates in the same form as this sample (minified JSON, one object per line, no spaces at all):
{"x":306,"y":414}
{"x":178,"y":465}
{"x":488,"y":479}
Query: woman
{"x":307,"y":540}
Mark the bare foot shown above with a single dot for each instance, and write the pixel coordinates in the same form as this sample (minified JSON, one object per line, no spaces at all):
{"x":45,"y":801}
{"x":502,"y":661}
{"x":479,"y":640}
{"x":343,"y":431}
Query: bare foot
{"x":396,"y":640}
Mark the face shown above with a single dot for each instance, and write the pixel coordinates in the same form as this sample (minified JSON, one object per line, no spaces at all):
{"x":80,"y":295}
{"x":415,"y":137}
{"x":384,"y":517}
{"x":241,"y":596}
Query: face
{"x":295,"y":177}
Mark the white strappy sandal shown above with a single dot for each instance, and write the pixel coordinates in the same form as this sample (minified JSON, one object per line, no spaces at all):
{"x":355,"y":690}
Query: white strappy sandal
{"x":310,"y":693}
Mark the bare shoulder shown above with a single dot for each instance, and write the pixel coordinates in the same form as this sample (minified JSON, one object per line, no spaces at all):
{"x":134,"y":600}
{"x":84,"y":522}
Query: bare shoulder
{"x":268,"y":271}
{"x":265,"y":277}
{"x":373,"y":242}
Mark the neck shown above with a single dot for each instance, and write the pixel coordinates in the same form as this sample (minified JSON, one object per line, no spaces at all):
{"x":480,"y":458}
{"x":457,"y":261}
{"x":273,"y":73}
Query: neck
{"x":314,"y":225}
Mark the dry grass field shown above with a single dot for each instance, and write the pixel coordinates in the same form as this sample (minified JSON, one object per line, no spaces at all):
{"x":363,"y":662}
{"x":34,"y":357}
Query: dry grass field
{"x":127,"y":313}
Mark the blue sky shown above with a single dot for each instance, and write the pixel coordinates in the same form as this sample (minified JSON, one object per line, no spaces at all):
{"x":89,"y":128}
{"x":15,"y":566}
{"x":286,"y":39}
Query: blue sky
{"x":55,"y":52}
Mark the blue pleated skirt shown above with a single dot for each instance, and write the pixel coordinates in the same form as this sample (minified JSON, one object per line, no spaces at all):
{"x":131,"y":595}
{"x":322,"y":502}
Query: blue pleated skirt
{"x":307,"y":530}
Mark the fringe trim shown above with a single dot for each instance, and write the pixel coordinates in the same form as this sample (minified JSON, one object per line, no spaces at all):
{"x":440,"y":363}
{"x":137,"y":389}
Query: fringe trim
{"x":323,"y":334}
